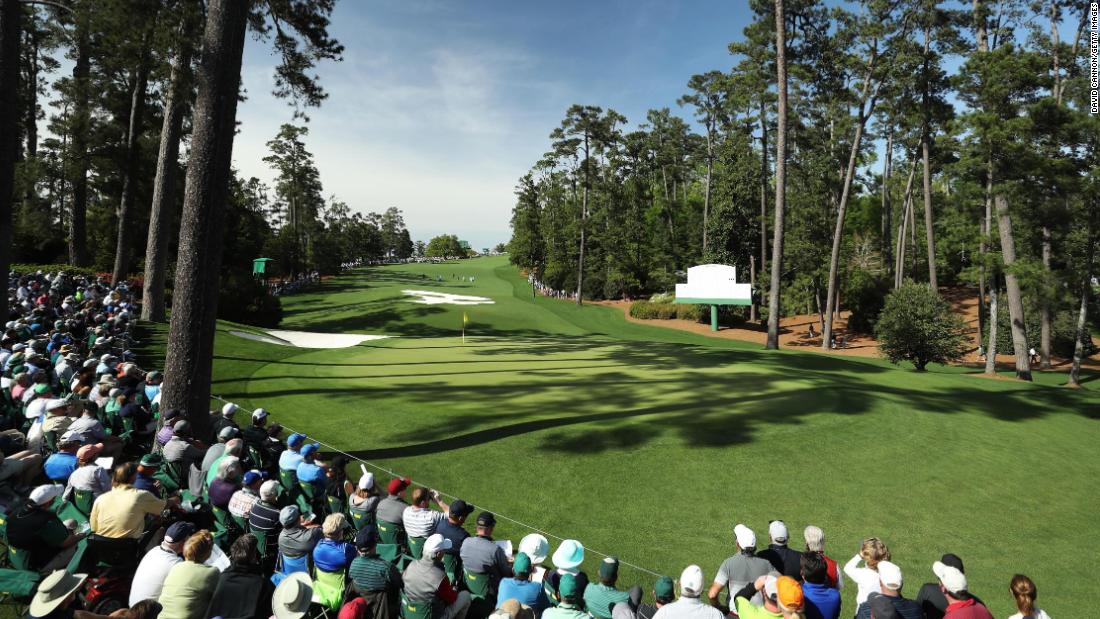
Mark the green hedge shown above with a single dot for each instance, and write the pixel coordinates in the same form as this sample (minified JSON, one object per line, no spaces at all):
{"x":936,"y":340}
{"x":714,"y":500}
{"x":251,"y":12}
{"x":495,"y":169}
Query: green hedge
{"x":648,"y":310}
{"x":26,"y":269}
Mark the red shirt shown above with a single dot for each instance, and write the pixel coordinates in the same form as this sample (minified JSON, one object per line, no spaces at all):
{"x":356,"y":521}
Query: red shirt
{"x":446,"y":592}
{"x":967,"y":609}
{"x":830,"y":572}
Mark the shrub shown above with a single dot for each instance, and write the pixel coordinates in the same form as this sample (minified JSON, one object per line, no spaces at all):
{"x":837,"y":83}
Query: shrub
{"x":917,"y":325}
{"x":26,"y":269}
{"x":245,"y":300}
{"x":663,"y":297}
{"x":648,"y":310}
{"x":864,"y":294}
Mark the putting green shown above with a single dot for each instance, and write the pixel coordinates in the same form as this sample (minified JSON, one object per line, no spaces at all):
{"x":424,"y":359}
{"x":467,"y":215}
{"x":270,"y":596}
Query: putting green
{"x":650,"y":443}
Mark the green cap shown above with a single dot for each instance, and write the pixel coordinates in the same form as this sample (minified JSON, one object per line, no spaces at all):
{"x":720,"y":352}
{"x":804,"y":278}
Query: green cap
{"x":41,"y":388}
{"x":151,"y":460}
{"x":664,"y":589}
{"x":609,"y":568}
{"x":567,"y":587}
{"x":522,"y":564}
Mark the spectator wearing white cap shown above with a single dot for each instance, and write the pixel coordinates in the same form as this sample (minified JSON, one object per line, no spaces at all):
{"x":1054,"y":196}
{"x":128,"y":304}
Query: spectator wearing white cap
{"x":689,"y":605}
{"x":960,"y":604}
{"x":365,"y":498}
{"x":36,"y":530}
{"x":815,"y":542}
{"x":264,"y":515}
{"x":426,"y":582}
{"x":224,"y":419}
{"x":60,"y":465}
{"x":256,"y":433}
{"x":537,"y":548}
{"x":871,"y":552}
{"x":785,"y":560}
{"x":930,"y":597}
{"x":890,"y":585}
{"x":740,"y":569}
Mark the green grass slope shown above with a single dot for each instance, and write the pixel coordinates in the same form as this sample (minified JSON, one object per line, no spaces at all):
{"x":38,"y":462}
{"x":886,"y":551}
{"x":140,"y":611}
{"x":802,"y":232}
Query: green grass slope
{"x":650,"y":443}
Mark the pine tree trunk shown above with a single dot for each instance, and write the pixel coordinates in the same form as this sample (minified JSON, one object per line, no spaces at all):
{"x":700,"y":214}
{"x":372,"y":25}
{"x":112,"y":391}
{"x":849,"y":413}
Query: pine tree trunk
{"x":584,"y":218}
{"x":129,"y":180}
{"x":1044,"y":309}
{"x":81,"y":126}
{"x":190,"y":354}
{"x":780,"y":174}
{"x":763,"y":190}
{"x":930,"y":240}
{"x":903,"y":225}
{"x":10,"y":15}
{"x":752,"y":287}
{"x":1012,"y":288}
{"x":991,"y":351}
{"x":1082,"y":314}
{"x":887,"y":220}
{"x":706,"y":196}
{"x":162,"y":213}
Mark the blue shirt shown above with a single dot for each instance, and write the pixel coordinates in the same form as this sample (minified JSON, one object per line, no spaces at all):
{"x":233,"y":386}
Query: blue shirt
{"x":151,"y":391}
{"x":309,"y":472}
{"x":332,"y":556}
{"x":289,"y":460}
{"x":144,"y":482}
{"x":59,"y":466}
{"x":822,"y":601}
{"x":528,"y":593}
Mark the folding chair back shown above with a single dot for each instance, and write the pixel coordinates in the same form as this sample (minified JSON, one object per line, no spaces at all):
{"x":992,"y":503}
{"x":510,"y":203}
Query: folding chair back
{"x":391,"y":533}
{"x":477,"y":584}
{"x":360,"y":517}
{"x":416,"y":609}
{"x":328,"y":588}
{"x":416,"y":547}
{"x":82,"y":500}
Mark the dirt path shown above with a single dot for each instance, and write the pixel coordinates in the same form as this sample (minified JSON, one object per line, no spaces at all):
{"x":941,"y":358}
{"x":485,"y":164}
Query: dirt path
{"x":794,"y":332}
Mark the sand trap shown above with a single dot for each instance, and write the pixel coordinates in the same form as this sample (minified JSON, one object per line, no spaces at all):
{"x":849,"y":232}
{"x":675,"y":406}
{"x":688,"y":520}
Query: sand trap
{"x":428,"y":297}
{"x":309,"y":339}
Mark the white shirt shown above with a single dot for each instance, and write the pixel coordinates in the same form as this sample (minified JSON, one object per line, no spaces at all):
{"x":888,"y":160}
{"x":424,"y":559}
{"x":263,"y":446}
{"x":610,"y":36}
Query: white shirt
{"x":688,"y":608}
{"x":151,"y":572}
{"x":865,"y":578}
{"x":1038,"y":614}
{"x":420,"y":521}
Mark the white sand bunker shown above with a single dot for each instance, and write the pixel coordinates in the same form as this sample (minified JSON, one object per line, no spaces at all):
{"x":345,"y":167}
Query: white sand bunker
{"x":427,"y":297}
{"x":309,"y":339}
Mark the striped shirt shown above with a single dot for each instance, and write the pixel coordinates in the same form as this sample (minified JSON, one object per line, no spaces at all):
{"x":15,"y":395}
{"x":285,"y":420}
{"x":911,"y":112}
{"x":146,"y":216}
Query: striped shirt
{"x":374,"y":574}
{"x":421,"y":521}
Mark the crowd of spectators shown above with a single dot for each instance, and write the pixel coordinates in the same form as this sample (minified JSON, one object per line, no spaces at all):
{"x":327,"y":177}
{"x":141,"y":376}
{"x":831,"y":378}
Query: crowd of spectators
{"x":115,"y":506}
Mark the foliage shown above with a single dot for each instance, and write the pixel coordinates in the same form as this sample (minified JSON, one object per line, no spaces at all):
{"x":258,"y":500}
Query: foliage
{"x":917,"y":325}
{"x":445,"y":246}
{"x":244,"y":299}
{"x":656,"y":310}
{"x":24,"y":269}
{"x":865,"y":294}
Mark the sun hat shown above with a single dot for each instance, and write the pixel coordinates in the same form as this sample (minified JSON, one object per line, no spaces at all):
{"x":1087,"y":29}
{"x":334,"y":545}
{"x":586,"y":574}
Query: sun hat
{"x":567,"y":586}
{"x":889,"y":574}
{"x":745,"y":536}
{"x":289,"y":515}
{"x":777,"y":529}
{"x":258,"y":414}
{"x":609,"y":568}
{"x":366,"y":482}
{"x":535,"y":546}
{"x":269,"y":489}
{"x":691,"y":581}
{"x":950,"y":577}
{"x":45,"y":494}
{"x":436,"y":543}
{"x":292,"y":597}
{"x":229,"y":409}
{"x":53,"y":590}
{"x":789,"y":593}
{"x":56,"y":404}
{"x":334,"y":523}
{"x":397,"y":485}
{"x":663,"y":589}
{"x":569,"y":554}
{"x":89,"y":452}
{"x":178,"y":532}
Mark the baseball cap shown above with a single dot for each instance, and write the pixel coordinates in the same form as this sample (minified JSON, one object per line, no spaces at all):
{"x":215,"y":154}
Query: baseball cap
{"x":567,"y":586}
{"x":310,"y":449}
{"x":43,"y":495}
{"x":229,"y":409}
{"x":56,"y":403}
{"x":269,"y":489}
{"x":258,"y":414}
{"x":366,"y":482}
{"x":889,"y":574}
{"x":178,"y":532}
{"x":436,"y":543}
{"x":691,"y":581}
{"x":289,"y":515}
{"x":151,"y":460}
{"x":522,"y":564}
{"x":71,"y":436}
{"x":89,"y":452}
{"x":41,"y":388}
{"x":366,"y":538}
{"x":227,"y":433}
{"x":771,"y":588}
{"x":252,"y":477}
{"x":954,"y":561}
{"x":295,"y":439}
{"x":789,"y":593}
{"x":664,"y":589}
{"x":609,"y":568}
{"x":486,"y":519}
{"x":950,"y":577}
{"x":459,"y":508}
{"x":777,"y":529}
{"x":182,"y":427}
{"x":398,"y":485}
{"x":745,"y":536}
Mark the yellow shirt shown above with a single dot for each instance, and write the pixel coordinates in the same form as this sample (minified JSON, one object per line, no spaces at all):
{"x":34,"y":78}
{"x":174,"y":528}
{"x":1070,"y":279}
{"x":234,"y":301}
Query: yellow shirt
{"x":121,"y":512}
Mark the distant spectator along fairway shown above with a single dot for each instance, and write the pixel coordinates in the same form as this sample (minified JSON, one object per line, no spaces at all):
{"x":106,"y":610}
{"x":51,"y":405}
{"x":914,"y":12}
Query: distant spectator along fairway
{"x":650,"y":443}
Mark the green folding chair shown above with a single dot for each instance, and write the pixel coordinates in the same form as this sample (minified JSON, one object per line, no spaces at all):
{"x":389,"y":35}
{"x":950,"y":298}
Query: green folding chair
{"x":416,"y":547}
{"x":416,"y":609}
{"x":549,"y":590}
{"x":360,"y":518}
{"x":225,"y":530}
{"x":390,"y":553}
{"x":328,"y":589}
{"x":333,"y":505}
{"x":82,"y":500}
{"x":241,"y":522}
{"x":451,"y":565}
{"x":288,"y":480}
{"x":17,"y":587}
{"x":20,"y":559}
{"x":477,"y":584}
{"x":391,"y":533}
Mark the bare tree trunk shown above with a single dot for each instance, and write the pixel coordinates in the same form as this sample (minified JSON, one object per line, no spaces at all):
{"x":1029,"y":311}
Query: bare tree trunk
{"x":129,"y":180}
{"x":1044,"y":309}
{"x":162,"y":213}
{"x":10,"y":15}
{"x":1082,"y":314}
{"x":81,"y":126}
{"x":763,"y":189}
{"x":706,"y":196}
{"x":1012,"y":287}
{"x":903,"y":225}
{"x":752,"y":287}
{"x":194,"y":308}
{"x":930,"y":240}
{"x":991,"y":352}
{"x":780,"y":174}
{"x":584,"y":218}
{"x":887,"y":220}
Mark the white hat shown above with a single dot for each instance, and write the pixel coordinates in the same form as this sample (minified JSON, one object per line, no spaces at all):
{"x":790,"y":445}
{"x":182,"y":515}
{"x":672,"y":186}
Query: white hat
{"x":436,"y":543}
{"x":53,"y":590}
{"x":292,"y":597}
{"x":107,"y":357}
{"x":570,"y":554}
{"x":889,"y":575}
{"x":535,"y":546}
{"x":227,"y":433}
{"x":771,"y":586}
{"x":366,"y":482}
{"x":778,"y":530}
{"x":691,"y":581}
{"x":229,"y":409}
{"x":952,"y":579}
{"x":259,"y":413}
{"x":744,"y":535}
{"x":71,"y":436}
{"x":43,"y":495}
{"x":56,"y":403}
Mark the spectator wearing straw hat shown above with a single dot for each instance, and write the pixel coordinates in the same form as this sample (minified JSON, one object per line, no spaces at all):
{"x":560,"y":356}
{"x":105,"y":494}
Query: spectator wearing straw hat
{"x":520,"y":586}
{"x":425,"y":580}
{"x":601,"y":596}
{"x":37,"y":530}
{"x":931,"y":599}
{"x":374,"y":578}
{"x":739,"y":570}
{"x":784,"y":559}
{"x":190,"y":584}
{"x":570,"y":605}
{"x":292,"y":597}
{"x":822,"y":601}
{"x":815,"y":542}
{"x":481,"y":554}
{"x":55,"y":596}
{"x":689,"y":606}
{"x":664,"y":592}
{"x":890,"y":583}
{"x":953,"y":585}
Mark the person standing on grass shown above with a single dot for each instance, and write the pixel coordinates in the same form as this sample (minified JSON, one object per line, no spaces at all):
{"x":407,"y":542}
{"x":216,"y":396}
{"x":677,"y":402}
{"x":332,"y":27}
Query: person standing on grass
{"x":931,"y":599}
{"x":871,"y":552}
{"x":815,"y":541}
{"x":392,"y":508}
{"x":822,"y":601}
{"x":890,"y":583}
{"x":739,"y":570}
{"x":1023,"y":589}
{"x":786,"y":561}
{"x":419,"y":519}
{"x":689,"y":606}
{"x":960,"y":604}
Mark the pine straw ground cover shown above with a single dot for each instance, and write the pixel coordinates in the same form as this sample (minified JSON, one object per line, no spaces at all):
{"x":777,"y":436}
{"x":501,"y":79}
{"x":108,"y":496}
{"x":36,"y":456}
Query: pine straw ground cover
{"x":650,"y":443}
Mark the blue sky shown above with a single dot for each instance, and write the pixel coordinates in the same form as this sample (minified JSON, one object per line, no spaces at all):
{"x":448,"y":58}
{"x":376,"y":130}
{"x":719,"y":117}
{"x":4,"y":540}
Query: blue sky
{"x":439,"y":107}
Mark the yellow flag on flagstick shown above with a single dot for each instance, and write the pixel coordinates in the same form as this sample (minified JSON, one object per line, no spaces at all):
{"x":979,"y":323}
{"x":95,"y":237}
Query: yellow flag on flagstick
{"x":465,"y":318}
